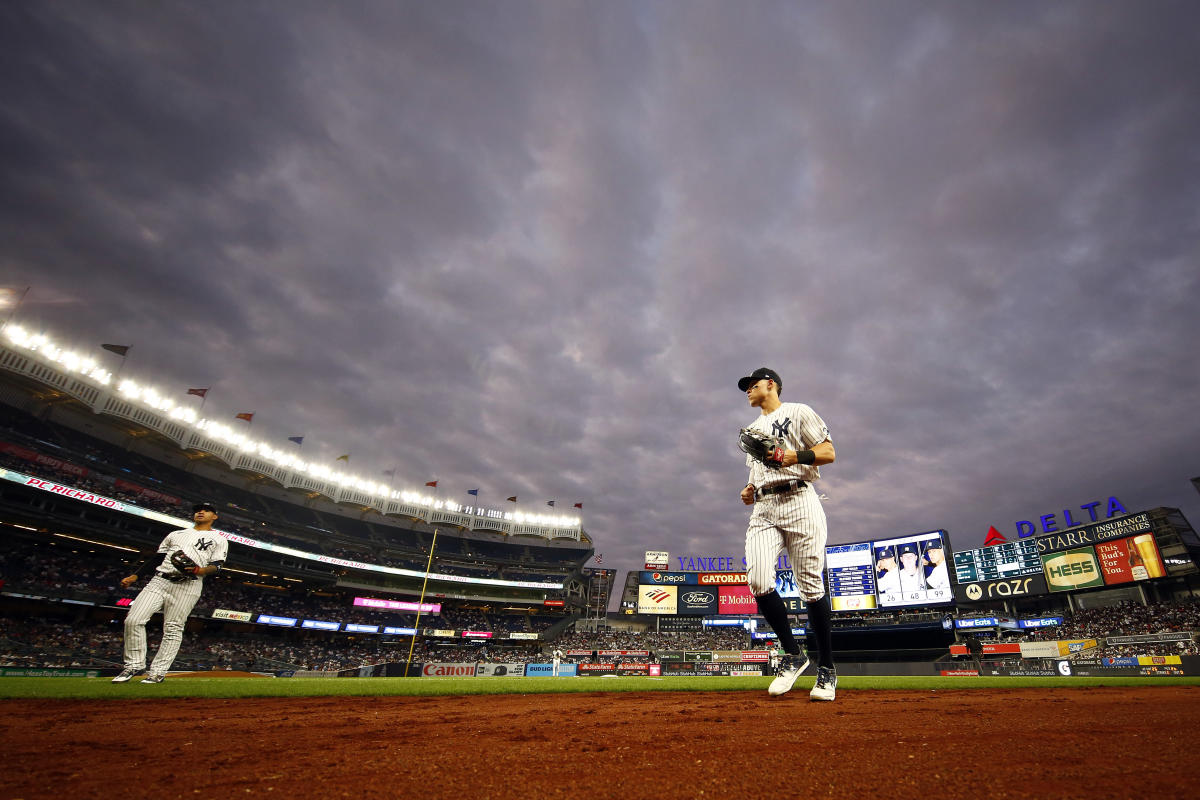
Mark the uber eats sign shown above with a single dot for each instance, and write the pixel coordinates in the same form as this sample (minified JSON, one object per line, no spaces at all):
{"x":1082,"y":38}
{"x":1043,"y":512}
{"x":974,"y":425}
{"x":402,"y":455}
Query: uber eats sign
{"x":1072,"y":569}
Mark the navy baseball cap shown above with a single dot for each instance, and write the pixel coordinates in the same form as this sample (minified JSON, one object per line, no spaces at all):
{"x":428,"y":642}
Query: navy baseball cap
{"x":908,"y":548}
{"x":204,"y":507}
{"x":884,"y":552}
{"x":933,"y":544}
{"x":760,"y":374}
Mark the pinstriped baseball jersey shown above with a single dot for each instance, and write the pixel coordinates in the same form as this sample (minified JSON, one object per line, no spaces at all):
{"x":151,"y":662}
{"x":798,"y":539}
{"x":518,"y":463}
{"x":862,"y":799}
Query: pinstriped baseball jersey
{"x":173,"y":594}
{"x":202,"y":547}
{"x":801,"y":428}
{"x":791,"y":521}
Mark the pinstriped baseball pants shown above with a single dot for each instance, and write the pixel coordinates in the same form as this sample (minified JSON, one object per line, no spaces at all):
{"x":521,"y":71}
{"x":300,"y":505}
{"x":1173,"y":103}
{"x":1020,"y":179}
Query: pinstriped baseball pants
{"x":795,"y":522}
{"x":176,"y":601}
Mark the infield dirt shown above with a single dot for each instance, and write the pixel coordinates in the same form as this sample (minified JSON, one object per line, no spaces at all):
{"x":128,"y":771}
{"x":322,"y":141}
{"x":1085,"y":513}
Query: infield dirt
{"x":1009,"y":743}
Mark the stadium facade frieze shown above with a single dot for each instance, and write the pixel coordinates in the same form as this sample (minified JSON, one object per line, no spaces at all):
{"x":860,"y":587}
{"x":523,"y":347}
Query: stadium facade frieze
{"x":45,"y":363}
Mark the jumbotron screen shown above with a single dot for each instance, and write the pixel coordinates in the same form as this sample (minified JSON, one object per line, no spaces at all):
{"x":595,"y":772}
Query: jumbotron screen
{"x":911,"y":570}
{"x":851,"y":576}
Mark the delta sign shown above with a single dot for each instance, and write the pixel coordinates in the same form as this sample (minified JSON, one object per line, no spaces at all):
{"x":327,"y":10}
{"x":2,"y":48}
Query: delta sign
{"x":1049,"y":523}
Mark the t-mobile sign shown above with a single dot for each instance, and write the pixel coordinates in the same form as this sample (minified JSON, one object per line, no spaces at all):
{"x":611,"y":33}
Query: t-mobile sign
{"x":398,"y":605}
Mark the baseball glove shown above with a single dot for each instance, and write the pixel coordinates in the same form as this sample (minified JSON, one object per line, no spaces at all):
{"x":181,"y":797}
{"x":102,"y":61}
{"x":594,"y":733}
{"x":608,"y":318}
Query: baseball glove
{"x":181,"y":562}
{"x":767,"y":449}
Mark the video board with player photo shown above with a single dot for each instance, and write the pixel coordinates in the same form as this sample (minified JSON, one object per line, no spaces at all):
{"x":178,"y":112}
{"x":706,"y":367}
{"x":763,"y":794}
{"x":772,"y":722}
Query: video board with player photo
{"x":911,"y":570}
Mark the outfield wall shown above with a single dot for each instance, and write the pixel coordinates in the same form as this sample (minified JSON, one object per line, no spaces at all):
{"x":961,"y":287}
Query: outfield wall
{"x":1141,"y":666}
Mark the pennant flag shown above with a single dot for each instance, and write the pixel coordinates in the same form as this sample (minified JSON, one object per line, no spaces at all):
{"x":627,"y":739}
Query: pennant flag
{"x":344,"y":457}
{"x":512,"y":499}
{"x":432,"y":483}
{"x":473,"y":491}
{"x":550,"y":503}
{"x":296,"y":439}
{"x":248,"y":417}
{"x":198,"y":392}
{"x":389,"y":473}
{"x":119,"y":349}
{"x":579,"y":505}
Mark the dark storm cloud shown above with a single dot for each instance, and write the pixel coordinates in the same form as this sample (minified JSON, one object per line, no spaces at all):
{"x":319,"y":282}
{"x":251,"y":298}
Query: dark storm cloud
{"x":530,"y":247}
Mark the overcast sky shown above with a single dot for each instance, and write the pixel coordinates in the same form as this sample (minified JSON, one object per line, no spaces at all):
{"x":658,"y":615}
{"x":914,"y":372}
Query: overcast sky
{"x":530,"y":247}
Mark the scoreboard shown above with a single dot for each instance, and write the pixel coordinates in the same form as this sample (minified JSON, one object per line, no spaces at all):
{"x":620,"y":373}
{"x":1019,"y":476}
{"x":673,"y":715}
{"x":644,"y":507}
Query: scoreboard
{"x":851,"y":576}
{"x":1008,"y":560}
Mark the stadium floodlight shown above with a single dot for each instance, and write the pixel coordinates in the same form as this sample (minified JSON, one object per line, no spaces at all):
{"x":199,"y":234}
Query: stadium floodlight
{"x":71,"y":362}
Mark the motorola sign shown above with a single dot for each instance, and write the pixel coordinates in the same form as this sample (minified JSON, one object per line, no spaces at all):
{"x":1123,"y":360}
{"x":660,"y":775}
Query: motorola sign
{"x":980,"y":591}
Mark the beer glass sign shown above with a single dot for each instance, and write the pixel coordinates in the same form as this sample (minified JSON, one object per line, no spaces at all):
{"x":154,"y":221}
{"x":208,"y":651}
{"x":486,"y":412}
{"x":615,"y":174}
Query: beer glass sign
{"x":1134,"y":558}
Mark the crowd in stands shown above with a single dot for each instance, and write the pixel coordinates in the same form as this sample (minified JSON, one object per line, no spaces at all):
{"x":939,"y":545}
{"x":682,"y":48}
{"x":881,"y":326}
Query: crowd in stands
{"x":1150,"y":649}
{"x":72,"y":459}
{"x":47,"y":642}
{"x":57,"y":571}
{"x":899,"y":616}
{"x":1125,"y":619}
{"x":32,"y":641}
{"x":708,"y":639}
{"x":89,"y":481}
{"x":259,"y":531}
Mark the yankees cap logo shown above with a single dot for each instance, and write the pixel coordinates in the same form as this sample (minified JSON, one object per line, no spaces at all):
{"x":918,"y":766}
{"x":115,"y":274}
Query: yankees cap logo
{"x":781,"y":428}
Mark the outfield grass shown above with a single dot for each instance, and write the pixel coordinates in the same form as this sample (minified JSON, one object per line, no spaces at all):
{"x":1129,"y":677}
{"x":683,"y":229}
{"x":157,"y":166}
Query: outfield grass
{"x":103,"y":689}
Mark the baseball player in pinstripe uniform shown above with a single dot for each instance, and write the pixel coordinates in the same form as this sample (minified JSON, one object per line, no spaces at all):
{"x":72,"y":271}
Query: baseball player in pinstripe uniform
{"x":788,"y":517}
{"x":172,"y":590}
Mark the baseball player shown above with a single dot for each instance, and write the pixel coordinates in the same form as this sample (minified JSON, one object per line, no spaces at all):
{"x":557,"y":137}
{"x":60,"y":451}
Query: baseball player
{"x":178,"y":567}
{"x":773,"y":657}
{"x":788,"y":516}
{"x":936,"y":574}
{"x":557,"y":657}
{"x":887,"y":574}
{"x":912,"y":577}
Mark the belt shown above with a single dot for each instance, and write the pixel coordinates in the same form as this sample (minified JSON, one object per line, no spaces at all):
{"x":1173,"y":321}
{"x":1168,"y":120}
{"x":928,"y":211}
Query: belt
{"x":176,"y":578}
{"x":779,"y":488}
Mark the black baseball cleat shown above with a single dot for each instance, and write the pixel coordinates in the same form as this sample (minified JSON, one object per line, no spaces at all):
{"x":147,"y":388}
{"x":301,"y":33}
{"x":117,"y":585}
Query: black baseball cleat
{"x":126,"y":674}
{"x":786,"y":673}
{"x":826,"y":686}
{"x":152,"y":678}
